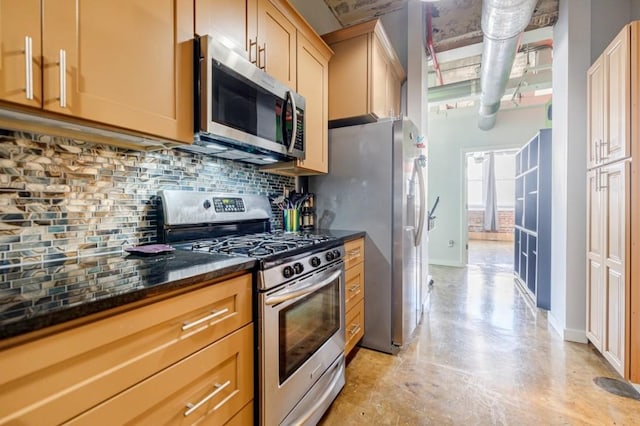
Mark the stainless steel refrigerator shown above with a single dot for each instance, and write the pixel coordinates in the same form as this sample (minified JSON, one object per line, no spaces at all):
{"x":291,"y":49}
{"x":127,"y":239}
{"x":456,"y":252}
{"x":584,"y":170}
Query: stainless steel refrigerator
{"x":377,"y":183}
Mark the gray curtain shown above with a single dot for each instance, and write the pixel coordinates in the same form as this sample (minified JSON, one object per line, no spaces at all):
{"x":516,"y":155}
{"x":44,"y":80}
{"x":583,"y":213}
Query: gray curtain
{"x":490,"y":196}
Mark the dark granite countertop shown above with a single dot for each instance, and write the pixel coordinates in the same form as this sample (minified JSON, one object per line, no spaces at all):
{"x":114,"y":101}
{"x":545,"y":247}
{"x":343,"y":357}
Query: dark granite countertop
{"x":343,"y":234}
{"x":33,"y":297}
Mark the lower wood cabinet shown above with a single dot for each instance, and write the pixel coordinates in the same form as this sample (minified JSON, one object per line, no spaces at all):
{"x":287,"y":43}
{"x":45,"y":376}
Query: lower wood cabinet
{"x":354,"y":293}
{"x":154,"y":359}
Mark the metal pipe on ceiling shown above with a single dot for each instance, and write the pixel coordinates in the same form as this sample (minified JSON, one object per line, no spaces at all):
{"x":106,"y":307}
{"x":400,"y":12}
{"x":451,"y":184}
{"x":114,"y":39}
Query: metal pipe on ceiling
{"x":503,"y":22}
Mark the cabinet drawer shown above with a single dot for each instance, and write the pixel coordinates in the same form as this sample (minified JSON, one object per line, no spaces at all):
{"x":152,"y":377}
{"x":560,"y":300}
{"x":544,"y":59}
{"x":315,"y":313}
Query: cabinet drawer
{"x":354,"y":287}
{"x":211,"y":385}
{"x":243,"y":418}
{"x":354,"y":326}
{"x":56,"y":377}
{"x":354,"y":252}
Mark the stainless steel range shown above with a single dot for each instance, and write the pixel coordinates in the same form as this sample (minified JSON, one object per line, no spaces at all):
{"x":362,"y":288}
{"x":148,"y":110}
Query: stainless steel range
{"x":299,"y":294}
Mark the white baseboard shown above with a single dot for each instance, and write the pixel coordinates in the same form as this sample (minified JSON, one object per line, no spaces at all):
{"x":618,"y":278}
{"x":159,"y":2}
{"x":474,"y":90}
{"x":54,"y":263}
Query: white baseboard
{"x":567,"y":334}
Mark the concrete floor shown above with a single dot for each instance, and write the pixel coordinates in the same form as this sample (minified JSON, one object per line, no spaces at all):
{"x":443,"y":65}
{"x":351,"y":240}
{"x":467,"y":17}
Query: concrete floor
{"x":482,"y":356}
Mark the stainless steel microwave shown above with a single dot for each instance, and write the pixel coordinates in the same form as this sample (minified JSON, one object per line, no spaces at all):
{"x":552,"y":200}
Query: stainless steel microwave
{"x":244,"y":108}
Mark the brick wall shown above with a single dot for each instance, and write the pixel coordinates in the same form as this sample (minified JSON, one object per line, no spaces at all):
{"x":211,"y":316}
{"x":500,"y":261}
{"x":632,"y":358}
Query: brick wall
{"x":475,"y":221}
{"x":67,"y":198}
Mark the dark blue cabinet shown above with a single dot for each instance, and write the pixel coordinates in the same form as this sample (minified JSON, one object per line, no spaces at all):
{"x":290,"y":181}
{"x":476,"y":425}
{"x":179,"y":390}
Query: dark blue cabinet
{"x":532,"y":233}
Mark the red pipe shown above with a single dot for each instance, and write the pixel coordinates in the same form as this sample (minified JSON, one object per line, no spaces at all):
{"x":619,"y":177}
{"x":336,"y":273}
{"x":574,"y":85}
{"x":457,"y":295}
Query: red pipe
{"x":432,"y":50}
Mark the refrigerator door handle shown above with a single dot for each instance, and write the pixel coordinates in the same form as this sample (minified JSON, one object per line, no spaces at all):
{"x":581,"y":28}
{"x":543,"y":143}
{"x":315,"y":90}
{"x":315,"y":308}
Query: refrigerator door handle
{"x":419,"y":164}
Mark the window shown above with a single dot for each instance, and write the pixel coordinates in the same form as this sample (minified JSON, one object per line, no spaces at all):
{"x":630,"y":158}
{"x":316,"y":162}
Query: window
{"x":505,"y":168}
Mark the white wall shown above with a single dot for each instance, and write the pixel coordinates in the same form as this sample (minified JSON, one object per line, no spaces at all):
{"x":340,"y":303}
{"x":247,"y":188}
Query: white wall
{"x":607,"y":21}
{"x":635,"y":10}
{"x":450,"y":136}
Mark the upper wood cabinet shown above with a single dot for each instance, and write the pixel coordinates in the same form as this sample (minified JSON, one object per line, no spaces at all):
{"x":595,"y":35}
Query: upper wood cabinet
{"x":21,"y":41}
{"x":123,"y":63}
{"x":365,"y":75}
{"x":276,"y":43}
{"x":279,"y":41}
{"x":609,"y":79}
{"x":236,"y":20}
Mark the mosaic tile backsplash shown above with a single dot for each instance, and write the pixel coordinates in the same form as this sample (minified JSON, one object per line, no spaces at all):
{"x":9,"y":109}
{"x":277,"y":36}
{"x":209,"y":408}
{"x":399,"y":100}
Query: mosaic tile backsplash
{"x":63,"y":198}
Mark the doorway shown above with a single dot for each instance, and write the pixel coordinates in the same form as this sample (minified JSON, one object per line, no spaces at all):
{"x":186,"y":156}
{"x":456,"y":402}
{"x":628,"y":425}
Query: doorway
{"x":490,"y":207}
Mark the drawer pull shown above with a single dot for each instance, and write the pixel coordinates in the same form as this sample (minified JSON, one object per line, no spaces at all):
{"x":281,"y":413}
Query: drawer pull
{"x":353,"y":254}
{"x":188,"y":325}
{"x":354,"y":287}
{"x":218,"y":388}
{"x":28,"y":66}
{"x":355,"y":329}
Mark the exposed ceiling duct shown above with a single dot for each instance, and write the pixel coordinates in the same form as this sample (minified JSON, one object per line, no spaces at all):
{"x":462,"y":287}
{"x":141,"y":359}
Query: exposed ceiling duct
{"x":503,"y":22}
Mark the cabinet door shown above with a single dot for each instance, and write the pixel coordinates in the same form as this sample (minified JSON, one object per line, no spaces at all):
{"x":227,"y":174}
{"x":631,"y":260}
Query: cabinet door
{"x":379,"y":78}
{"x":595,"y":286}
{"x":617,"y":93}
{"x":20,"y":38}
{"x":348,"y":97}
{"x":126,"y":63}
{"x":312,"y":85}
{"x":276,"y":44}
{"x":393,"y":94}
{"x":230,"y":19}
{"x":614,"y":182}
{"x":595,"y":104}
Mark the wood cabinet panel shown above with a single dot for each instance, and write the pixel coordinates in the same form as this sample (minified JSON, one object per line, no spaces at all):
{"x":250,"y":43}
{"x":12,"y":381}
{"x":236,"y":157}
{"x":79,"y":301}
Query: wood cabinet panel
{"x":276,"y":44}
{"x":123,"y":63}
{"x":54,"y":378}
{"x":348,"y":97}
{"x":354,"y":322}
{"x":227,"y":18}
{"x":354,"y":251}
{"x":617,"y":97}
{"x":312,"y":78}
{"x":220,"y":376}
{"x":354,"y":287}
{"x":595,"y":303}
{"x":21,"y":43}
{"x":614,"y":340}
{"x":596,"y":115}
{"x":363,"y":50}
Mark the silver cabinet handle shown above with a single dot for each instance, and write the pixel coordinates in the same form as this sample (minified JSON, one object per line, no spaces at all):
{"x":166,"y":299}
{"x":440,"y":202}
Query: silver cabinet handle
{"x":354,"y":329}
{"x":603,"y":154}
{"x":597,"y":180}
{"x":597,"y":151}
{"x":354,"y":288}
{"x":28,"y":67}
{"x":218,"y":388}
{"x":253,"y":44}
{"x":262,"y":64}
{"x":63,"y":78}
{"x":606,"y":177}
{"x":353,"y":254}
{"x":188,"y":325}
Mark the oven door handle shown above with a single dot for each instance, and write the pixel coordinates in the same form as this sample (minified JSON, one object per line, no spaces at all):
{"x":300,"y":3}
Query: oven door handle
{"x":274,"y":300}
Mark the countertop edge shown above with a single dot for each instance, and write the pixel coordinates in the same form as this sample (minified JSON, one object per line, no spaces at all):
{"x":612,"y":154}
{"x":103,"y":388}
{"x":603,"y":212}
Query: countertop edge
{"x":40,"y":322}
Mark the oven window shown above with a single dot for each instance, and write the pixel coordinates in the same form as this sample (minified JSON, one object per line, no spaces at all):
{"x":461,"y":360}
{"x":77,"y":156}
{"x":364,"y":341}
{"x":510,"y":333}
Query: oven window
{"x":304,"y":326}
{"x":241,"y":105}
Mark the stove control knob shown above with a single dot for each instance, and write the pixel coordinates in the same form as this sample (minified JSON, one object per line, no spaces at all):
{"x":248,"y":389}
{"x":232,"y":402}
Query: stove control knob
{"x":329,"y":256}
{"x":287,"y":272}
{"x":298,"y":268}
{"x":206,"y":204}
{"x":336,"y":254}
{"x":315,"y":261}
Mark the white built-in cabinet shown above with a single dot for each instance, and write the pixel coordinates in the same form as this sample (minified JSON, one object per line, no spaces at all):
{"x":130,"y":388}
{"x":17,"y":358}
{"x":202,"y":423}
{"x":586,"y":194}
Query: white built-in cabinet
{"x":612,"y":323}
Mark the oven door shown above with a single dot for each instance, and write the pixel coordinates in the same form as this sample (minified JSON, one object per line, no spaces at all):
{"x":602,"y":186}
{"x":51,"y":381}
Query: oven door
{"x":302,"y":335}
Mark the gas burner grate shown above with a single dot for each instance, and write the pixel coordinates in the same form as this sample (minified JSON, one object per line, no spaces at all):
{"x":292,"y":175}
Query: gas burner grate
{"x":259,"y":245}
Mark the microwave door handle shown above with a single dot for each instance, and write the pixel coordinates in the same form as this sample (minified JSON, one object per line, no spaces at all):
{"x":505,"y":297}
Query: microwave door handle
{"x":294,"y":133}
